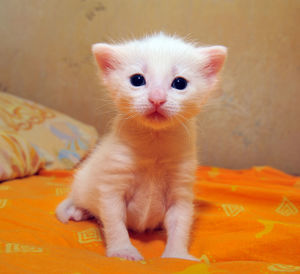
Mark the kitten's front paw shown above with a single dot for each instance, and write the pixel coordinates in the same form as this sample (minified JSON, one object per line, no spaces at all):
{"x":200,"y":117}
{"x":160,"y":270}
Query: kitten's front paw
{"x":184,"y":256}
{"x":129,"y":253}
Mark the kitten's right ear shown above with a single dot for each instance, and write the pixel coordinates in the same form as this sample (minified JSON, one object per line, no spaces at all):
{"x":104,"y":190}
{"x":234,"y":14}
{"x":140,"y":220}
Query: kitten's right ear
{"x":106,"y":57}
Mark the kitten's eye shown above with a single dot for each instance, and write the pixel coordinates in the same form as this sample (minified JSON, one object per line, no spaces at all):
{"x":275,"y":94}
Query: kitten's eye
{"x":179,"y":83}
{"x":137,"y":80}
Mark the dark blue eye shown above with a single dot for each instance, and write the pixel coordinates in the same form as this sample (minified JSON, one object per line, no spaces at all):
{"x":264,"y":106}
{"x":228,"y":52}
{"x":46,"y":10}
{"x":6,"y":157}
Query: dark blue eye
{"x":179,"y":83}
{"x":137,"y":80}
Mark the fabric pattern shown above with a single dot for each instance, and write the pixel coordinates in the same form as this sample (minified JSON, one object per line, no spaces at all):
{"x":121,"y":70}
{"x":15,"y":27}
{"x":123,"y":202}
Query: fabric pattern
{"x":246,"y":221}
{"x":17,"y":157}
{"x":60,"y":140}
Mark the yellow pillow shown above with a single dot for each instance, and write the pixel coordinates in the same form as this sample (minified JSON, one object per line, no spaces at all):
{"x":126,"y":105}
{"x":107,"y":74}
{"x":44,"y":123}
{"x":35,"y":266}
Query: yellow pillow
{"x":17,"y":157}
{"x":59,"y":140}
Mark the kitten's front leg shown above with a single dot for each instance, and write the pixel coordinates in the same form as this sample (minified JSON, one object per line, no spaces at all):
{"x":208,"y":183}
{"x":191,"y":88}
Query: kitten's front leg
{"x":113,"y":216}
{"x":178,"y":221}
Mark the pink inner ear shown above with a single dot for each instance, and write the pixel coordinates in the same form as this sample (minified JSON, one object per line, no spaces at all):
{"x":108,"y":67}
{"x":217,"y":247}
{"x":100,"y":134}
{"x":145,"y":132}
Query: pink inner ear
{"x":215,"y":59}
{"x":106,"y":57}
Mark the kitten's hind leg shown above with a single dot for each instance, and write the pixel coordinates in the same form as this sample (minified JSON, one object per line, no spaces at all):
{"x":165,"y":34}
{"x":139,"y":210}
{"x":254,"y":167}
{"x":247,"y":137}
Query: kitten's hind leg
{"x":66,"y":211}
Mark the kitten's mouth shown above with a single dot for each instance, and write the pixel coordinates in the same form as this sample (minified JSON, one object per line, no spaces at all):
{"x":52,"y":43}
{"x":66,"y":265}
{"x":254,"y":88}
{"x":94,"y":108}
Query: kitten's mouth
{"x":156,"y":116}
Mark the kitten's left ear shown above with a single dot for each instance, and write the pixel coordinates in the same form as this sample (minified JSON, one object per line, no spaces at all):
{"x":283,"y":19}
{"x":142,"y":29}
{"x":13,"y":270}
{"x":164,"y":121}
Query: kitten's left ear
{"x":212,"y":61}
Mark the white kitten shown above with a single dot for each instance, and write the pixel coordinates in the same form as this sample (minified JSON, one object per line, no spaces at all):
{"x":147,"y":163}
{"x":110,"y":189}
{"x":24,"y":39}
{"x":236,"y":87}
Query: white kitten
{"x":141,"y":174}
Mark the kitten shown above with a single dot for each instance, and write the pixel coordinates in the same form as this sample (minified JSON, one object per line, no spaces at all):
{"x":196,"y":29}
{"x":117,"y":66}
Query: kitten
{"x":140,"y":176}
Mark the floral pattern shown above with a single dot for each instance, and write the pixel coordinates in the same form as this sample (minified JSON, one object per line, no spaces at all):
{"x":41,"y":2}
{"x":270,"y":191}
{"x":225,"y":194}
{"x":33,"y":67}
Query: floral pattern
{"x":57,"y":140}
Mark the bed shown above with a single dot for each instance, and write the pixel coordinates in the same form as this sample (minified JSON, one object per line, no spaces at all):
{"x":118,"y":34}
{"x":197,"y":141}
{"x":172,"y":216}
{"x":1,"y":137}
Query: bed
{"x":246,"y":221}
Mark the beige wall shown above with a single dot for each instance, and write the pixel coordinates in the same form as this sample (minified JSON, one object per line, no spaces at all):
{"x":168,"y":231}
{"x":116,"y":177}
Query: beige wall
{"x":45,"y":56}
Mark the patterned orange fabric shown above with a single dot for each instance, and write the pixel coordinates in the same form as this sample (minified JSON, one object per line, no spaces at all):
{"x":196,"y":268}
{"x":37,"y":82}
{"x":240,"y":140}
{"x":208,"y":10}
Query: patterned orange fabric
{"x":246,"y":221}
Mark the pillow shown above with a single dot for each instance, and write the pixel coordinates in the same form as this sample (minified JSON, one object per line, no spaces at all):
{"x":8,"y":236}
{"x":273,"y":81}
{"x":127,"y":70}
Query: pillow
{"x":17,"y":157}
{"x":58,"y":139}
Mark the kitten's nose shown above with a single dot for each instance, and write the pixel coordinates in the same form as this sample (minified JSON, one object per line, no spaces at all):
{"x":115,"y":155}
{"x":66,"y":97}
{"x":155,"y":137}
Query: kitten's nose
{"x":157,"y":102}
{"x":157,"y":98}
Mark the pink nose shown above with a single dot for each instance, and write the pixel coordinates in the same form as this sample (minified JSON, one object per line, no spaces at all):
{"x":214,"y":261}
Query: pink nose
{"x":157,"y":98}
{"x":157,"y":102}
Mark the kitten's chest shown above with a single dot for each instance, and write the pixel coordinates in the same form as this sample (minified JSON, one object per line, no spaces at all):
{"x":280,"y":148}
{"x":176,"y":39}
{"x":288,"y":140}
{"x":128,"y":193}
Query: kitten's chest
{"x":146,"y":202}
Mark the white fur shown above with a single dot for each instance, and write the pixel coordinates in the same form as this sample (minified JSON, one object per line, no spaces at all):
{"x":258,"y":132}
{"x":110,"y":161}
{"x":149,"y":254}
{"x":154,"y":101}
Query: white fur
{"x":141,"y":174}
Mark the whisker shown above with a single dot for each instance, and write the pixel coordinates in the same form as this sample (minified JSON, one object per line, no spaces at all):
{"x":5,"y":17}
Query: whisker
{"x":182,"y":123}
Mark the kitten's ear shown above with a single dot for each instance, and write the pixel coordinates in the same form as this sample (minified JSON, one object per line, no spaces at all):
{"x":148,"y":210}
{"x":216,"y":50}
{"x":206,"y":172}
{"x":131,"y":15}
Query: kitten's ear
{"x":106,"y":56}
{"x":212,"y":61}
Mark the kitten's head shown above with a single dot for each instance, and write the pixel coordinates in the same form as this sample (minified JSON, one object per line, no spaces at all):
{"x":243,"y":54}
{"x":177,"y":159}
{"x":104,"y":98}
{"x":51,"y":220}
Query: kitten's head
{"x":159,"y":80}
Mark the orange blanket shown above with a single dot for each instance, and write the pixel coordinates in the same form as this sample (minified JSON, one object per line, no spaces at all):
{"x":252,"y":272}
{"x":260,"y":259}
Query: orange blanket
{"x":246,"y":222}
